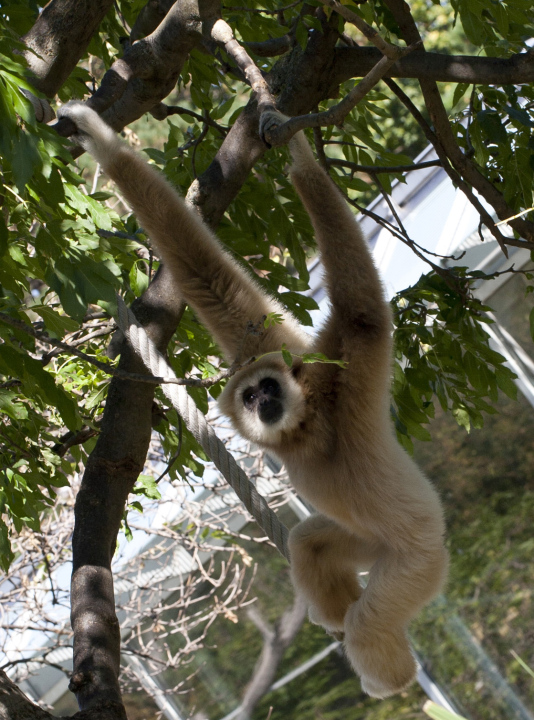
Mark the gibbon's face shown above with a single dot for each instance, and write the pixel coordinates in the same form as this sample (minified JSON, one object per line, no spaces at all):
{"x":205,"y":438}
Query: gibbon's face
{"x":263,"y":402}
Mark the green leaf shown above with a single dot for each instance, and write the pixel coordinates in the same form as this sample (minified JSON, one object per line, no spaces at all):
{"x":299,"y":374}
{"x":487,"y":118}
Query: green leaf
{"x":138,"y":278}
{"x":4,"y":236}
{"x":459,"y":90}
{"x":505,"y":381}
{"x":462,"y":417}
{"x":15,"y":410}
{"x":27,"y":159}
{"x":288,"y":359}
{"x":490,"y":121}
{"x":55,"y":323}
{"x":273,"y":319}
{"x":6,"y":555}
{"x":38,"y":381}
{"x":146,"y":485}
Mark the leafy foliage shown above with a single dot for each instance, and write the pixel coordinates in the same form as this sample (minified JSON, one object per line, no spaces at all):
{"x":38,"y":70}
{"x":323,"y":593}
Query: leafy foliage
{"x":442,"y":351}
{"x":66,"y":249}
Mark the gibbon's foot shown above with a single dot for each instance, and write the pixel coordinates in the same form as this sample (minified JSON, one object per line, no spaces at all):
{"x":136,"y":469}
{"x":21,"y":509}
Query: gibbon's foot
{"x":381,"y":657}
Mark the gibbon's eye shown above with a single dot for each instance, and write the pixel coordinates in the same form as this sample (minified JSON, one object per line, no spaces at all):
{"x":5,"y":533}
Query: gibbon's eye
{"x":249,"y":398}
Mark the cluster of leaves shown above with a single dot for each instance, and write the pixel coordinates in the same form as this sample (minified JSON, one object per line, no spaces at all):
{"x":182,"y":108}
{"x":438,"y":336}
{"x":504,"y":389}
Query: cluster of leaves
{"x":500,"y":135}
{"x":53,"y":268}
{"x":442,"y":352}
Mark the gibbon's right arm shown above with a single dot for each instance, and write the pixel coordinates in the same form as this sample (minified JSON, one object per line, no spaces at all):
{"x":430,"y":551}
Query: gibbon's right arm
{"x":221,"y":293}
{"x":354,"y":286}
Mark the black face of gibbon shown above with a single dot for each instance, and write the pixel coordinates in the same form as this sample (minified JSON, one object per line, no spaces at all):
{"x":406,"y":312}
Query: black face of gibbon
{"x":265,"y":398}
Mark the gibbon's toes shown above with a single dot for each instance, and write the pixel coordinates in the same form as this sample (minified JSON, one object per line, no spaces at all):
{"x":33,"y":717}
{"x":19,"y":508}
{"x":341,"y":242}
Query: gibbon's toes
{"x":382,"y":658}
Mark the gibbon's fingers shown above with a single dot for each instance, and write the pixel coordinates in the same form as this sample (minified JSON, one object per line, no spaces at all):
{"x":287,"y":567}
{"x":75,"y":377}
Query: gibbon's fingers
{"x":270,"y":120}
{"x":221,"y":292}
{"x":301,"y":151}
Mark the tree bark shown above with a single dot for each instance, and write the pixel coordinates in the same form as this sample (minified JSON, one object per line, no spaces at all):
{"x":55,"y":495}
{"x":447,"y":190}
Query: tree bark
{"x":15,"y":705}
{"x":59,"y":38}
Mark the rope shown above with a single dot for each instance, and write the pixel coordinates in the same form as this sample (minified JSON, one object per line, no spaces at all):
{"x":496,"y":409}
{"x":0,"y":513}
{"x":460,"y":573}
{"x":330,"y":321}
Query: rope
{"x":197,"y":425}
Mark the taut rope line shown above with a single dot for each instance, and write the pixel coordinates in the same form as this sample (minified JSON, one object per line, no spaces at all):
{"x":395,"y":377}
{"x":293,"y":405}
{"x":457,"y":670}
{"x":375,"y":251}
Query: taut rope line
{"x":196,"y":423}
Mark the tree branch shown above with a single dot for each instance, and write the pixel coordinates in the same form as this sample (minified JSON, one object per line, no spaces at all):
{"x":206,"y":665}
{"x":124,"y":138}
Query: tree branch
{"x":222,"y":33}
{"x":276,"y":640}
{"x":59,"y":38}
{"x":162,"y":111}
{"x":149,"y":69}
{"x":357,"y":61}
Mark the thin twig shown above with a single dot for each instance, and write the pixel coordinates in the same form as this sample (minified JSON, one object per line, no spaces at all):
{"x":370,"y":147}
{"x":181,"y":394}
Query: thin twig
{"x":222,"y":33}
{"x":375,"y":169}
{"x":162,"y":111}
{"x":452,"y":282}
{"x":262,"y":10}
{"x":387,"y":49}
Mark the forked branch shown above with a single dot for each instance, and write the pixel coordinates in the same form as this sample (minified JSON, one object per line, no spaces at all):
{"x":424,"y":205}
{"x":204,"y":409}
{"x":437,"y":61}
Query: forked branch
{"x":336,"y":114}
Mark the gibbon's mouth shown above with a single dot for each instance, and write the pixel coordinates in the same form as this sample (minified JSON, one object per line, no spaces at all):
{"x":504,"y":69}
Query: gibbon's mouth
{"x":271,"y":412}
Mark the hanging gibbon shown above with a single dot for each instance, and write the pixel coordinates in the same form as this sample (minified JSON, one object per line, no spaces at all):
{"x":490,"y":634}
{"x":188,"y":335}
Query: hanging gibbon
{"x":330,"y":425}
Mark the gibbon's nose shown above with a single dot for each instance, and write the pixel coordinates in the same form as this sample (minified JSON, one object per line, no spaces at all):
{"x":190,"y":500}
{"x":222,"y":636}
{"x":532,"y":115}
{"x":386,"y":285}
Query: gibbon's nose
{"x":270,"y":410}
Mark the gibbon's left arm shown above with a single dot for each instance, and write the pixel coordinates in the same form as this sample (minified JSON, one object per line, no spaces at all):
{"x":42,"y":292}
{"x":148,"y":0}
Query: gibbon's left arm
{"x":223,"y":295}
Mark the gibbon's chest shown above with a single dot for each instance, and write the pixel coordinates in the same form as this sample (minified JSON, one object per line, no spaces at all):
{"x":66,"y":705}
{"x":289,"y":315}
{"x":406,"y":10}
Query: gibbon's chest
{"x":340,"y":486}
{"x":322,"y":482}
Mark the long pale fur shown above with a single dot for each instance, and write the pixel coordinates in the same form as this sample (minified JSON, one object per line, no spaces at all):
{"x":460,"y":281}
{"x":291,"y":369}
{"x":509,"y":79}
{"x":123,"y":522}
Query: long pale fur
{"x":377,"y":510}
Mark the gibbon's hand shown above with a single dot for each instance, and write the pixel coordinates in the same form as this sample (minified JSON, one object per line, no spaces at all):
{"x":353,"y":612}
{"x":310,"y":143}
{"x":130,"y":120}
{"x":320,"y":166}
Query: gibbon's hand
{"x":270,"y":120}
{"x":93,"y":134}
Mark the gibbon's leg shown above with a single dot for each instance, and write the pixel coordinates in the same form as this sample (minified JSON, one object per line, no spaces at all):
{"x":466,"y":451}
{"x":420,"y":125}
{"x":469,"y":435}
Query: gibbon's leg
{"x":222,"y":294}
{"x":375,"y":626}
{"x":324,"y":561}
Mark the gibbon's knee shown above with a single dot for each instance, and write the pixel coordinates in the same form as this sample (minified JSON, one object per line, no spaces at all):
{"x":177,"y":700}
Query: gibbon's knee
{"x":324,"y":562}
